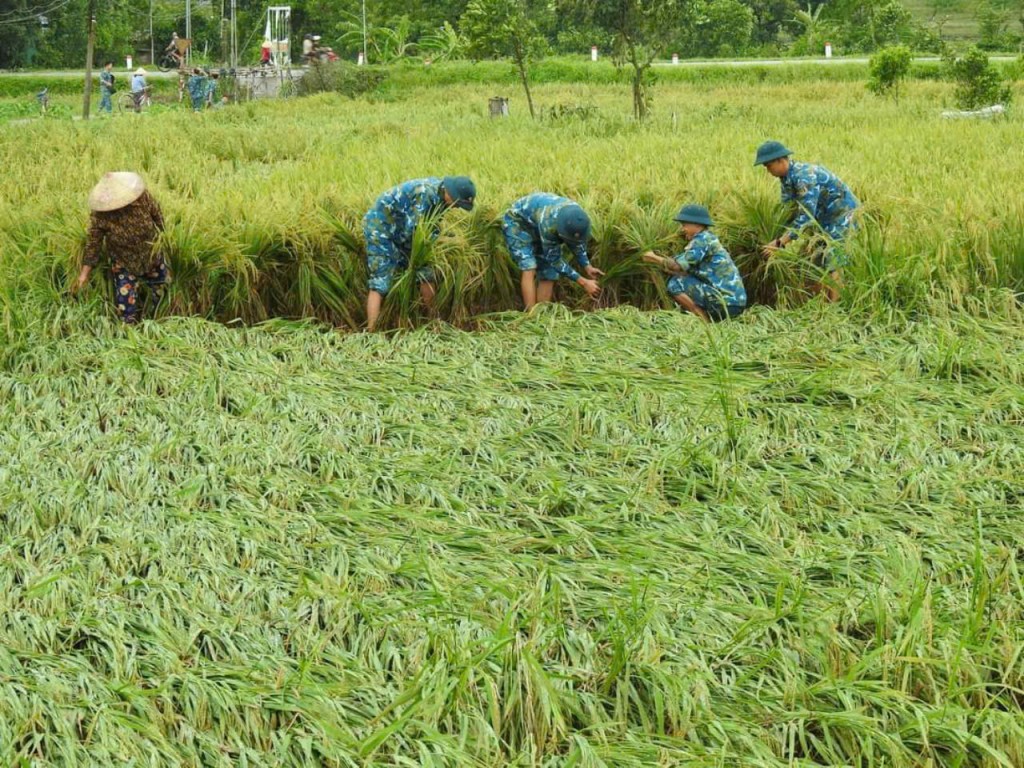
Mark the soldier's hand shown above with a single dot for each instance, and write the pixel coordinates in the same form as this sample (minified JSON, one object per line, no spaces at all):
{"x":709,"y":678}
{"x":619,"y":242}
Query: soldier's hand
{"x":592,"y":272}
{"x":651,"y":258}
{"x":590,"y":286}
{"x":768,"y":249}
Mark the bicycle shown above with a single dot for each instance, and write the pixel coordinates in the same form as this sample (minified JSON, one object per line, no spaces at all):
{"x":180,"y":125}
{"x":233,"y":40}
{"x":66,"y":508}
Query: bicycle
{"x":168,"y":62}
{"x":174,"y":59}
{"x":126,"y":102}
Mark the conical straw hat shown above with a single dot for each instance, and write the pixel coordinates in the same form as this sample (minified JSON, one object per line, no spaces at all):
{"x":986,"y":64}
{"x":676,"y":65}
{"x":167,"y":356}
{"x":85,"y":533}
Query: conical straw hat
{"x":116,"y":190}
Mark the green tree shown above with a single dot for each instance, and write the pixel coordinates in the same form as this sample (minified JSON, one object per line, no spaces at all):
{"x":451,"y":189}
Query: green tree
{"x":888,"y":69}
{"x":890,"y":22}
{"x":445,"y":43}
{"x":1015,"y":8}
{"x":771,"y":19}
{"x":21,"y":31}
{"x":386,"y":44}
{"x":978,"y":84}
{"x":867,"y":25}
{"x":636,"y":31}
{"x":993,"y":20}
{"x":722,"y":27}
{"x":941,"y":11}
{"x":814,"y":27}
{"x":504,"y":28}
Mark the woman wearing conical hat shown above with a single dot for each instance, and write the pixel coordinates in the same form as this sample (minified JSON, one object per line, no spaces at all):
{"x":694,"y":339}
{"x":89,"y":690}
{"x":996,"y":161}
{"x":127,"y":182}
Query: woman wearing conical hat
{"x":126,"y":223}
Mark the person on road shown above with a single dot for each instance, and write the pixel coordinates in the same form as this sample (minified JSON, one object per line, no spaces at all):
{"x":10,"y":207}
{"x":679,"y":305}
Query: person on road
{"x":125,"y":223}
{"x":176,"y":49}
{"x":536,"y":228}
{"x":389,"y":227}
{"x":823,"y":202}
{"x":107,"y":87}
{"x":705,"y":279}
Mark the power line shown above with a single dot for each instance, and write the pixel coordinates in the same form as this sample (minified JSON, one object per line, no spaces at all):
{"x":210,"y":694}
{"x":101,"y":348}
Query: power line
{"x":35,"y":15}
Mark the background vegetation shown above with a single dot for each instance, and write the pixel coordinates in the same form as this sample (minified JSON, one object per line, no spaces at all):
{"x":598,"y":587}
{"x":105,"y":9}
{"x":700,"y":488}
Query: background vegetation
{"x":51,"y":34}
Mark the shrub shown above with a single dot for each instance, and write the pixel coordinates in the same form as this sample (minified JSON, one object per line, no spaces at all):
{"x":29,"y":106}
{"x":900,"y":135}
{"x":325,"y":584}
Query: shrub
{"x":978,"y":83}
{"x":341,"y":77}
{"x":888,"y":69}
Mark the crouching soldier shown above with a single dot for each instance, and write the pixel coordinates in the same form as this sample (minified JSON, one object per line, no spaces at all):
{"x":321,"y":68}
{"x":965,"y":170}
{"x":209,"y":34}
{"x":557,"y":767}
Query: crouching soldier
{"x":126,"y":222}
{"x":389,"y":227}
{"x":705,"y":280}
{"x":822,"y":199}
{"x":535,"y":228}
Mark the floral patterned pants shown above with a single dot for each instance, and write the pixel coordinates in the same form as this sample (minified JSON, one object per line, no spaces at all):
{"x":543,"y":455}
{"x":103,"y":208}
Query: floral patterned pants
{"x":126,"y":289}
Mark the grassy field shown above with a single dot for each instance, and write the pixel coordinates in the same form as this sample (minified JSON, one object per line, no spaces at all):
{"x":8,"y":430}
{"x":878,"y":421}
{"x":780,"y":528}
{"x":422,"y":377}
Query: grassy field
{"x":604,"y":538}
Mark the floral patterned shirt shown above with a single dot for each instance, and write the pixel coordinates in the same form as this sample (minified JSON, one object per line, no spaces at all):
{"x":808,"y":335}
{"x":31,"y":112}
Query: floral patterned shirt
{"x":128,"y":234}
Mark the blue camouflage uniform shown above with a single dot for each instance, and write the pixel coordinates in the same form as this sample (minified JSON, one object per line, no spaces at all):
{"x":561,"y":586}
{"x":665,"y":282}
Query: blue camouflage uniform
{"x":823,"y":198}
{"x":532,"y":237}
{"x":106,"y":90}
{"x":711,"y":278}
{"x":211,"y":90}
{"x":197,"y":91}
{"x":389,"y":227}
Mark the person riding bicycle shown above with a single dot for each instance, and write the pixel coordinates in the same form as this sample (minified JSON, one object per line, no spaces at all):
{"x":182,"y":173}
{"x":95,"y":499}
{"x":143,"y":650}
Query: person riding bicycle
{"x":177,"y":47}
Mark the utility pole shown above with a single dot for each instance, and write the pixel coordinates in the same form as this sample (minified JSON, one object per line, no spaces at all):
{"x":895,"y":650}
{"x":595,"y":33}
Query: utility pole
{"x":188,"y":29}
{"x":91,"y":30}
{"x":152,"y":45}
{"x":234,"y":34}
{"x":365,"y":60}
{"x":225,"y":53}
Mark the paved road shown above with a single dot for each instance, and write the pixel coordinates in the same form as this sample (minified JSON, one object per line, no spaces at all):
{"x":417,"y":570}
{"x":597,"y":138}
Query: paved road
{"x":783,"y":62}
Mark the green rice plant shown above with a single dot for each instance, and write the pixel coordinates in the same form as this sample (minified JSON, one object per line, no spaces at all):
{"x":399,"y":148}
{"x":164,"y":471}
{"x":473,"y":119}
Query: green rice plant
{"x":751,"y":221}
{"x":403,"y":301}
{"x":264,"y":201}
{"x":608,"y":538}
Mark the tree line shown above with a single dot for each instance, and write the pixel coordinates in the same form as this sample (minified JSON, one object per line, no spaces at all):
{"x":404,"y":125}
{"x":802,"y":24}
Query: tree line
{"x":52,"y":33}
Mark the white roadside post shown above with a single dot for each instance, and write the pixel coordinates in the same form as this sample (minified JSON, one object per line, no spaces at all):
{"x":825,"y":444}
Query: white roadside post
{"x":828,"y":50}
{"x":593,"y":53}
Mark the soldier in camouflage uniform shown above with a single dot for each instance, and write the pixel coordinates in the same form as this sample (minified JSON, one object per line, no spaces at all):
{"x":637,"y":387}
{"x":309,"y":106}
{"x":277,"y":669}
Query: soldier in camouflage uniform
{"x":197,"y":89}
{"x":211,"y":89}
{"x":106,"y":87}
{"x":389,"y":227}
{"x":126,"y":223}
{"x":822,"y":199}
{"x":706,"y":282}
{"x":536,"y":227}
